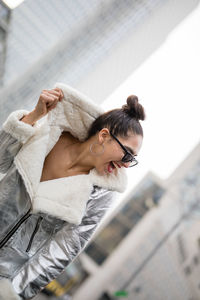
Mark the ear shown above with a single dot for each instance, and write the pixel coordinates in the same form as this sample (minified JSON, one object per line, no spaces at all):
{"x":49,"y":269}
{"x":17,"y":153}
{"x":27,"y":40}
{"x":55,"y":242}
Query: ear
{"x":104,"y":135}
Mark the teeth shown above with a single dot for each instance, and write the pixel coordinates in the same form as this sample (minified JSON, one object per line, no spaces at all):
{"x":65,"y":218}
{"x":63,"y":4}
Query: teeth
{"x":116,"y":166}
{"x":112,"y":165}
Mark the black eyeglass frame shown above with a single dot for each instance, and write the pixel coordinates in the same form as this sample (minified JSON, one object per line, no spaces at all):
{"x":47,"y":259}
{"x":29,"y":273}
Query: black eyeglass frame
{"x":126,"y":152}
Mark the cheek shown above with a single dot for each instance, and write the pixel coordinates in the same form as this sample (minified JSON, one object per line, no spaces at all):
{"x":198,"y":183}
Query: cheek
{"x":112,"y":154}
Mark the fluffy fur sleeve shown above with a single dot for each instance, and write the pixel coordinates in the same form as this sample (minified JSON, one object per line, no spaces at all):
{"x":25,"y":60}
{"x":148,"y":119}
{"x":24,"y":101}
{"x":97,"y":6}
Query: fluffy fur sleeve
{"x":75,"y":113}
{"x":19,"y":129}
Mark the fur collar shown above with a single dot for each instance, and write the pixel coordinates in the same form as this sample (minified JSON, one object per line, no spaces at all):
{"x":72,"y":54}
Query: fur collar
{"x":74,"y":113}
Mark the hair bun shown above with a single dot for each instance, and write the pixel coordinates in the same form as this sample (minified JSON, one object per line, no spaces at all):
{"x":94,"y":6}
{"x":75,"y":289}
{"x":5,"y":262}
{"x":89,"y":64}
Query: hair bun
{"x":133,"y":108}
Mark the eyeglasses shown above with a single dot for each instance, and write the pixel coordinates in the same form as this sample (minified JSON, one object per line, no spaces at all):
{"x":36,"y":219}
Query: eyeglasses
{"x":128,"y":157}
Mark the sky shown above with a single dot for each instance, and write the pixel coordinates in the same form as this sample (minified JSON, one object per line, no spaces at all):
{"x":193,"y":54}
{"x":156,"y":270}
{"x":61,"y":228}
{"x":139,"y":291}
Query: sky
{"x":168,"y":86}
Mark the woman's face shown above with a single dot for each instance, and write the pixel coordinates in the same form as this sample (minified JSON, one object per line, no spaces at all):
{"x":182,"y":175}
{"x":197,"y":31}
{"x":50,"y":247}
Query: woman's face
{"x":114,"y":152}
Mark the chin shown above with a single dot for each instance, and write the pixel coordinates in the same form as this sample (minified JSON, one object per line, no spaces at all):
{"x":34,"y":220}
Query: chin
{"x":101,"y":171}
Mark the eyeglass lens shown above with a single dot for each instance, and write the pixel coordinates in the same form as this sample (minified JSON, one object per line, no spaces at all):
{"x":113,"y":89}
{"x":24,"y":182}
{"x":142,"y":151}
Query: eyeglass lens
{"x":128,"y":158}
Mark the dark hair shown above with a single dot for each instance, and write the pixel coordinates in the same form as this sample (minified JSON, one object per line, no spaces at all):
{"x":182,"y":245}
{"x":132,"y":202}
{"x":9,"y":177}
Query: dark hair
{"x":121,"y":120}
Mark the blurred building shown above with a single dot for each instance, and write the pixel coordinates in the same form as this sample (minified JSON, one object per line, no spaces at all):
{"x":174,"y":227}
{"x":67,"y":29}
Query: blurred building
{"x":93,"y":45}
{"x":138,"y":204}
{"x":4,"y":28}
{"x":151,"y":246}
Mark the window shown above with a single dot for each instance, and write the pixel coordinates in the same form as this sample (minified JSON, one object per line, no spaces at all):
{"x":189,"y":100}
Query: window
{"x":196,"y":260}
{"x":181,"y":247}
{"x":188,"y":270}
{"x":107,"y":240}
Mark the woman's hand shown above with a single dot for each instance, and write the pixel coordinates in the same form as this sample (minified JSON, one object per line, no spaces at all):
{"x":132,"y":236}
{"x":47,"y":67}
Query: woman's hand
{"x":47,"y":101}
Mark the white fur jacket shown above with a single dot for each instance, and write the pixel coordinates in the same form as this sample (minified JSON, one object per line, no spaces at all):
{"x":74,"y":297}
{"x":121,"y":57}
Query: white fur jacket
{"x":74,"y":114}
{"x":65,"y":211}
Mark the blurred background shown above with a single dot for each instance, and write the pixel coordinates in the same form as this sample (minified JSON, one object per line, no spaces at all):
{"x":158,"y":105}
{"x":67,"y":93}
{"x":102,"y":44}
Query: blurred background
{"x":148,"y":246}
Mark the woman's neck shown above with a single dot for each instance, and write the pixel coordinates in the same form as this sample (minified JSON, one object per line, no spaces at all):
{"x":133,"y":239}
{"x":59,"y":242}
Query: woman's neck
{"x":80,"y":158}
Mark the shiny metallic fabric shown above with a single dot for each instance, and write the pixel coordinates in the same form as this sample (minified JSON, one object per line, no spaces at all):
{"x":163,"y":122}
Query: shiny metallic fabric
{"x":35,"y":248}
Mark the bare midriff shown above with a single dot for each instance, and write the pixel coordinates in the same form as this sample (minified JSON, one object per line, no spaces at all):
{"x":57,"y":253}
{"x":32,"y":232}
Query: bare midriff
{"x":55,"y":164}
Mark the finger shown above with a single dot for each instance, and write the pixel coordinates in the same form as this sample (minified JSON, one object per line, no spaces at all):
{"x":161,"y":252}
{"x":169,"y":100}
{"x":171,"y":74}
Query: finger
{"x":54,"y":93}
{"x":59,"y":94}
{"x":53,"y":97}
{"x":60,"y":91}
{"x":57,"y":90}
{"x":54,"y":101}
{"x":49,"y":100}
{"x":48,"y":97}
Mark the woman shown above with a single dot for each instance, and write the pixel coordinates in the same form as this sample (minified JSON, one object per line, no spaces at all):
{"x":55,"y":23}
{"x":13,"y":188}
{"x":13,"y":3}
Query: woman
{"x":61,"y":175}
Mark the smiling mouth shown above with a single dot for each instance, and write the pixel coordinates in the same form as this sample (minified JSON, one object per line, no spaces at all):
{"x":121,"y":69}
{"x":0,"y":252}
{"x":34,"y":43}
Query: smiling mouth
{"x":111,"y":166}
{"x":114,"y":165}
